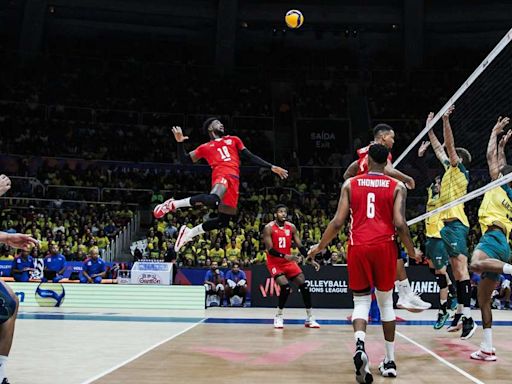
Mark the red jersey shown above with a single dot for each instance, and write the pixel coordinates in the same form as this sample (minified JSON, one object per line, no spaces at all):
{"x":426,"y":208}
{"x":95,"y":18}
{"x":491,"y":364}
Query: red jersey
{"x":371,"y":207}
{"x":222,"y":154}
{"x":281,"y":239}
{"x":363,"y":159}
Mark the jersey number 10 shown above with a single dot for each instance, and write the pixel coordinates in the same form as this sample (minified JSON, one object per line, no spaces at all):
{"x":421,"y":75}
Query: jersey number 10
{"x":370,"y":205}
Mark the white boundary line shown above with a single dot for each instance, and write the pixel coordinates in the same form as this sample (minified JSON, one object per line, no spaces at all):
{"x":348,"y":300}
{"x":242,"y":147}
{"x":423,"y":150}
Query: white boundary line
{"x":105,"y":373}
{"x":477,"y":72}
{"x":444,"y":361}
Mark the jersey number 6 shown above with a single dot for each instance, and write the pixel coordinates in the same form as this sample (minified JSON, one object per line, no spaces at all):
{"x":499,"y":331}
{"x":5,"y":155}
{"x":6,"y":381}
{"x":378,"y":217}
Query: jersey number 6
{"x":370,"y":206}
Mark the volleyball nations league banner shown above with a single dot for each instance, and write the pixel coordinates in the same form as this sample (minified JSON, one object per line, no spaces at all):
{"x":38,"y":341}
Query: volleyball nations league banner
{"x":329,"y":287}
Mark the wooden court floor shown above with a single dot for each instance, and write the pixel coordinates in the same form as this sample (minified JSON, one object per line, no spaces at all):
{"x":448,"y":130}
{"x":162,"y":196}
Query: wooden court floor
{"x":256,"y":353}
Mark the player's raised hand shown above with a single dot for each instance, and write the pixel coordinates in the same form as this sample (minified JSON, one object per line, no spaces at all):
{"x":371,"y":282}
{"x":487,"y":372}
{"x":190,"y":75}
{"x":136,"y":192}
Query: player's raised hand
{"x":449,"y":111}
{"x":19,"y":240}
{"x":430,"y":117}
{"x":423,"y":148}
{"x":178,"y":134}
{"x":504,"y":140}
{"x":281,"y":172}
{"x":5,"y":184}
{"x":501,"y":124}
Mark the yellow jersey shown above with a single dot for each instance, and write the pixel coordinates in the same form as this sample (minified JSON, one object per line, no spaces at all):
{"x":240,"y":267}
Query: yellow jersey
{"x":233,"y":254}
{"x":216,"y":255}
{"x":433,"y":224}
{"x":454,"y":185}
{"x":496,"y":209}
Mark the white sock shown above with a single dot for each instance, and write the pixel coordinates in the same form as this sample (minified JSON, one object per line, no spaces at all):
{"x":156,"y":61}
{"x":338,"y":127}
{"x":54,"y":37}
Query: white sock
{"x":279,"y":312}
{"x":459,"y":308}
{"x":309,"y":312}
{"x":359,"y":335}
{"x":443,"y":301}
{"x":405,"y":287}
{"x":390,"y":350}
{"x":466,"y":312}
{"x":182,"y":203}
{"x":3,"y":362}
{"x":487,"y":343}
{"x":507,"y":269}
{"x":196,"y":231}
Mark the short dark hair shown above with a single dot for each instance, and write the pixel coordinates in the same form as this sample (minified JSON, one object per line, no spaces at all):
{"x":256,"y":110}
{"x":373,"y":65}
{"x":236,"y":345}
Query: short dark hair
{"x":464,"y":154}
{"x":279,"y":206}
{"x":379,"y":153}
{"x":208,"y":121}
{"x":236,"y":264}
{"x":381,"y":128}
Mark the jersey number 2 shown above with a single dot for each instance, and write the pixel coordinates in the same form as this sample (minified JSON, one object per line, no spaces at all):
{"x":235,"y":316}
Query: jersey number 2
{"x":370,"y":206}
{"x":224,"y":153}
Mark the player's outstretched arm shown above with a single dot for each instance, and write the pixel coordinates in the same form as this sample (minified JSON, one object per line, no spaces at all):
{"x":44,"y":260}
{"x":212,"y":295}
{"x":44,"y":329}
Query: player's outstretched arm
{"x":436,"y":145}
{"x":401,"y":224}
{"x":492,"y":149}
{"x":18,"y":240}
{"x":351,"y":170}
{"x":396,"y":174}
{"x":256,"y":160}
{"x":502,"y":158}
{"x":269,"y":245}
{"x":336,"y":223}
{"x":449,"y":141}
{"x":302,"y":248}
{"x":183,"y":156}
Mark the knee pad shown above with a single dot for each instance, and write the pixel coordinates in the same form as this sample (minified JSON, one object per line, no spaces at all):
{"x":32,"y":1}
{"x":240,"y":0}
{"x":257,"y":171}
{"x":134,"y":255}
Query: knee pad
{"x":219,"y":287}
{"x":304,"y":287}
{"x":505,"y":284}
{"x":361,"y":307}
{"x":441,"y":281}
{"x":385,"y":301}
{"x":286,"y":289}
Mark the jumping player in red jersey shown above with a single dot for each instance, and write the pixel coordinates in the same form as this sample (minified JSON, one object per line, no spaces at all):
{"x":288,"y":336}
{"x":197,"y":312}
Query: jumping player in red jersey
{"x":376,"y":203}
{"x":384,"y":134}
{"x":282,"y":265}
{"x":223,"y":153}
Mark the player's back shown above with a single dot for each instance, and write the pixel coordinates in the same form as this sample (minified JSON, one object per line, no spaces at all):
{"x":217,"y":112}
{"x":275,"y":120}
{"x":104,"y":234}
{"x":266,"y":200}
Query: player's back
{"x":362,"y":160}
{"x":222,"y":154}
{"x":371,"y":205}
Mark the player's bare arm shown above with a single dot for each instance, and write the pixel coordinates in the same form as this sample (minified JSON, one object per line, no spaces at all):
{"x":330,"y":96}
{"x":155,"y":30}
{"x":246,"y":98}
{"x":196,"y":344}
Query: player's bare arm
{"x":18,"y":240}
{"x":248,"y":155}
{"x":437,"y":147}
{"x":502,"y":159}
{"x":449,"y":142}
{"x":302,"y":248}
{"x":337,"y":222}
{"x":401,"y":224}
{"x":351,"y":170}
{"x":396,"y":174}
{"x":183,"y":156}
{"x":269,"y":245}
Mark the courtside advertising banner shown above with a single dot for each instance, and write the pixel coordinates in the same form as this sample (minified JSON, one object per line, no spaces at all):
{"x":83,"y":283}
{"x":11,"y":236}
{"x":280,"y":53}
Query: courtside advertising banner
{"x":329,"y":287}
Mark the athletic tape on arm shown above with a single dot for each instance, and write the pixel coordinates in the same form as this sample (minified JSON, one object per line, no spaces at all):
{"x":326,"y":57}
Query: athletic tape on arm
{"x":477,"y":72}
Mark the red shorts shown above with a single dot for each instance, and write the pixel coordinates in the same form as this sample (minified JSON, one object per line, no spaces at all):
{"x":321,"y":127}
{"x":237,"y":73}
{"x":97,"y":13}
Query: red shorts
{"x":232,"y":184}
{"x":289,"y":269}
{"x":372,"y":266}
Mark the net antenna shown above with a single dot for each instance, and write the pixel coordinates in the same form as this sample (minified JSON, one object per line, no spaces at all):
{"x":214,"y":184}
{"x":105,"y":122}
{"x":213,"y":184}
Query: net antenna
{"x":470,"y":80}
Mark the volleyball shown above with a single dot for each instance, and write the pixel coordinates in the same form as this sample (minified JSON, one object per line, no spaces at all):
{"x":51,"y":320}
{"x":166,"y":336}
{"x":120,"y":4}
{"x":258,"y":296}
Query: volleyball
{"x":50,"y":294}
{"x":294,"y":19}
